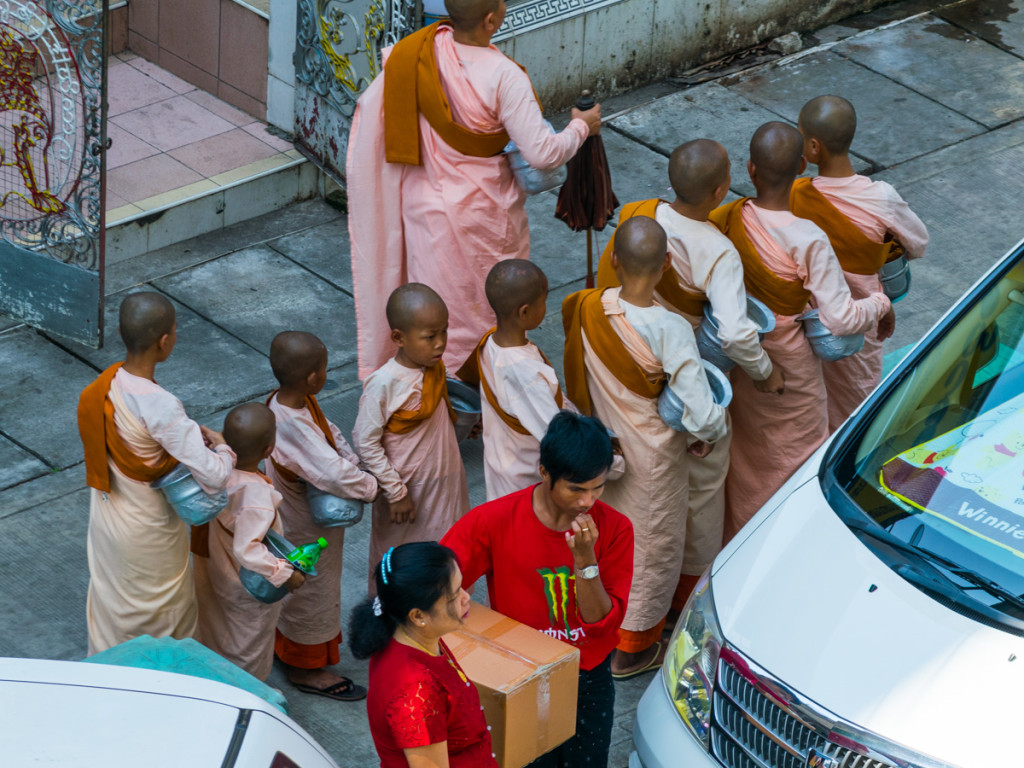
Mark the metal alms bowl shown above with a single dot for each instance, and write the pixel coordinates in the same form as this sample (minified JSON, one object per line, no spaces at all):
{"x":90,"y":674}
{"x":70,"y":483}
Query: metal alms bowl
{"x":825,"y":344}
{"x":670,"y":407}
{"x":193,"y":505}
{"x":466,"y":404}
{"x":330,"y":511}
{"x":895,"y":277}
{"x":707,"y":332}
{"x":258,"y":586}
{"x":532,"y":180}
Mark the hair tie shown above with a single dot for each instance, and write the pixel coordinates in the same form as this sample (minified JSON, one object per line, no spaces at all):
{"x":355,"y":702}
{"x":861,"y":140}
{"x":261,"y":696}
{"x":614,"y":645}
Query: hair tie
{"x":385,"y":565}
{"x":378,"y":609}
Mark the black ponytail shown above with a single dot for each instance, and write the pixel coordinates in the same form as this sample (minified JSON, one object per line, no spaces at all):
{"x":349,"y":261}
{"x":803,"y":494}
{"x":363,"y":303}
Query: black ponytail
{"x":408,"y":577}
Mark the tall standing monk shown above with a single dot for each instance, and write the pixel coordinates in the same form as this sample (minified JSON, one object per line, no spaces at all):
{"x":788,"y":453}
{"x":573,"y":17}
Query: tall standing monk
{"x":432,"y":199}
{"x":134,"y":432}
{"x":706,"y":269}
{"x":867,"y":222}
{"x":788,"y":264}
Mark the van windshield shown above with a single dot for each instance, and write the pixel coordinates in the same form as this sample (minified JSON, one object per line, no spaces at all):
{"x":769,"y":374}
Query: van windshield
{"x":936,"y":465}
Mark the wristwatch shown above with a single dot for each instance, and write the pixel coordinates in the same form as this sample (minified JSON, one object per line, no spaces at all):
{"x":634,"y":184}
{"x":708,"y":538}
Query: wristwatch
{"x":588,"y":573}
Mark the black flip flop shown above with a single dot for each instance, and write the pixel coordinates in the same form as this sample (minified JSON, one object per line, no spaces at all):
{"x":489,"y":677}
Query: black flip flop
{"x":345,"y":690}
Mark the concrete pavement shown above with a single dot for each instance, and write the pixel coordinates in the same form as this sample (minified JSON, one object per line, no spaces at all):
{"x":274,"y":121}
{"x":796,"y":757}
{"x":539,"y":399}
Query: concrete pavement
{"x":939,"y":91}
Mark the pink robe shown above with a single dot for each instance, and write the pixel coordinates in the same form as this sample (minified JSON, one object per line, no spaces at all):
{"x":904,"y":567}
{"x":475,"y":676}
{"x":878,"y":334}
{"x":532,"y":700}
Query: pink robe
{"x":774,"y":434}
{"x":231,"y":621}
{"x":424,"y":463}
{"x":876,"y":209}
{"x":140,"y":574}
{"x":312,"y":615}
{"x":653,"y":491}
{"x":447,"y":222}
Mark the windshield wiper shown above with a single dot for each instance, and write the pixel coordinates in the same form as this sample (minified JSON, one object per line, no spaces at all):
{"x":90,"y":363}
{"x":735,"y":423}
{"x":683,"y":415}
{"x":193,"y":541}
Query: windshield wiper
{"x":968,"y":575}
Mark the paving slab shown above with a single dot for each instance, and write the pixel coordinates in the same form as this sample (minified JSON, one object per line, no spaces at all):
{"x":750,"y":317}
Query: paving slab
{"x":41,"y":490}
{"x":17,"y":465}
{"x":1000,"y":22}
{"x":947,"y":64}
{"x":952,"y":191}
{"x":209,"y":369}
{"x":323,"y":249}
{"x":862,"y":22}
{"x":44,"y":605}
{"x":188,"y":253}
{"x":886,"y":134}
{"x":256,"y":293}
{"x":41,"y":383}
{"x":556,"y":249}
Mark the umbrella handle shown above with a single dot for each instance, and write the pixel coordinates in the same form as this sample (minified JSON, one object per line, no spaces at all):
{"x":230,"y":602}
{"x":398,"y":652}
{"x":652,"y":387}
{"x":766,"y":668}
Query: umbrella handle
{"x":590,"y":258}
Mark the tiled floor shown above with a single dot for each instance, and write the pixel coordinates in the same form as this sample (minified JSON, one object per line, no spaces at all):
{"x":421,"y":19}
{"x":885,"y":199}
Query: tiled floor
{"x":171,"y":141}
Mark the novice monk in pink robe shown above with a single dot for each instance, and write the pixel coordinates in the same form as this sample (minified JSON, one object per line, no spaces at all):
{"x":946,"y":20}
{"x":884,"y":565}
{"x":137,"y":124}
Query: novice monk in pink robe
{"x":787,"y":263}
{"x":621,"y":350}
{"x":520,"y":389}
{"x":706,"y":269}
{"x":867,"y":222}
{"x":311,"y":451}
{"x":404,"y":432}
{"x":431,"y":197}
{"x":134,"y":432}
{"x":231,"y":621}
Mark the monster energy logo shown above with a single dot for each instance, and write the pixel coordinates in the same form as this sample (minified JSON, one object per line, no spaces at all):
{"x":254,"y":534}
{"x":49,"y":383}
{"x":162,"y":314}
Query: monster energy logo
{"x":556,"y":592}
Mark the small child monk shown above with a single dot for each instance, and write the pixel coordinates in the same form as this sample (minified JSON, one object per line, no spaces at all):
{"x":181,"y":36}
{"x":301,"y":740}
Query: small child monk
{"x":520,"y":389}
{"x":404,"y":432}
{"x":231,"y":621}
{"x":621,"y":350}
{"x":311,"y":451}
{"x":134,"y":432}
{"x":867,"y":222}
{"x":788,"y":263}
{"x":706,"y":269}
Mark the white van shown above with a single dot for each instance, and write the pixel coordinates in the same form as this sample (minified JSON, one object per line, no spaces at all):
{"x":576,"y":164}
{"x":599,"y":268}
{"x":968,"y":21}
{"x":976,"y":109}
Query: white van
{"x":872,"y":613}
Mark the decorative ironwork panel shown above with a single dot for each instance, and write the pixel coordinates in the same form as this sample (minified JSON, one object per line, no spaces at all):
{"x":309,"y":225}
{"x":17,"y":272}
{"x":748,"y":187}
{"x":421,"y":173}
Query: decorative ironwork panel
{"x":337,"y":56}
{"x":52,"y":139}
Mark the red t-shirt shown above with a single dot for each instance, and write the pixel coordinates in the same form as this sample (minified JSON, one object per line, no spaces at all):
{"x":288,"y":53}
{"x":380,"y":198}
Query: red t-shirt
{"x":416,"y":699}
{"x":530,"y":569}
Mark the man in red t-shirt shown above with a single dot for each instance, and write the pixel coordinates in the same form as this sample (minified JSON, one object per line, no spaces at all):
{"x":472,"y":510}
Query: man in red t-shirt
{"x":561,"y":561}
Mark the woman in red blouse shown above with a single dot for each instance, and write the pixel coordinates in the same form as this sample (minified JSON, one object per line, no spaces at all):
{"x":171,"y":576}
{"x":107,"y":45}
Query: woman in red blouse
{"x":423,"y":710}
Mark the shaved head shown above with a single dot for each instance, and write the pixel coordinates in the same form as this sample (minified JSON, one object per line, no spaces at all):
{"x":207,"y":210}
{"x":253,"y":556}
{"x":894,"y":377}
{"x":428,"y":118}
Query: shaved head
{"x":413,"y":305}
{"x":144,"y":318}
{"x":696,"y":169}
{"x":777,"y":151}
{"x":467,"y":14}
{"x":832,"y":120}
{"x":511,"y":283}
{"x":250,"y":429}
{"x":294,"y":355}
{"x":641,"y":246}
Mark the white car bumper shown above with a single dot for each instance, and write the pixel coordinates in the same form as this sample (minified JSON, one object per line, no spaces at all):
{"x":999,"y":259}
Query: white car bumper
{"x":660,"y":737}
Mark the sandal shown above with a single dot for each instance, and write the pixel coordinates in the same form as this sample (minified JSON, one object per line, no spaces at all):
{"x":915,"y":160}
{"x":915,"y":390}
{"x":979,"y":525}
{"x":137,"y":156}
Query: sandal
{"x":656,"y":661}
{"x":345,"y":690}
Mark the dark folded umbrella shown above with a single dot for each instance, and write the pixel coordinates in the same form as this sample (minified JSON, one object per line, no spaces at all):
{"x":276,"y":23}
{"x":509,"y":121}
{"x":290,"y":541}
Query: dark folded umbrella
{"x":587,"y":200}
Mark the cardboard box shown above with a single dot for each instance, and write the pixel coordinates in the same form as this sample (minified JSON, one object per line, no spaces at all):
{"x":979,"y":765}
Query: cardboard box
{"x":527,"y":683}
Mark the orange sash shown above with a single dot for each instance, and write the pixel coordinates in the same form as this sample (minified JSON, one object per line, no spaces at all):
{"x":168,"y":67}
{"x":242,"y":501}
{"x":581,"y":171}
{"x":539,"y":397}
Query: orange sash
{"x":783,"y":297}
{"x":857,"y":252}
{"x":434,"y":388}
{"x":582,"y":312}
{"x":412,"y":85}
{"x":321,"y":421}
{"x":669,"y":287}
{"x":472,"y":368}
{"x":100,"y":439}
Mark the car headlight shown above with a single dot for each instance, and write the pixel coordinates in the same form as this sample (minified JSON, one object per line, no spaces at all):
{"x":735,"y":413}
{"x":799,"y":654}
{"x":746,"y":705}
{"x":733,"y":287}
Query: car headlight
{"x":692,"y":657}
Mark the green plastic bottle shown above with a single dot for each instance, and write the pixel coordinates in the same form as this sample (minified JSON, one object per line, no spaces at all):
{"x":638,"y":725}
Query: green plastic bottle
{"x":305,"y":557}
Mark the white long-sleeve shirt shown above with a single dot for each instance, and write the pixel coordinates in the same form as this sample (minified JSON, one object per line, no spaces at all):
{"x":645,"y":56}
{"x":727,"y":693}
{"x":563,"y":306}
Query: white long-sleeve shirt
{"x":706,"y":261}
{"x":671,"y":339}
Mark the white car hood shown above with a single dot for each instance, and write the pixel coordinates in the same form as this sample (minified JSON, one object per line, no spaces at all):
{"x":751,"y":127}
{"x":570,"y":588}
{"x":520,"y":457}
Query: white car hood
{"x":794,"y":597}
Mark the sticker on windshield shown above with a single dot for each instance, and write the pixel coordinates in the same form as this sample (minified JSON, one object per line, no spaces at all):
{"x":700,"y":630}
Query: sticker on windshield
{"x":972,"y":476}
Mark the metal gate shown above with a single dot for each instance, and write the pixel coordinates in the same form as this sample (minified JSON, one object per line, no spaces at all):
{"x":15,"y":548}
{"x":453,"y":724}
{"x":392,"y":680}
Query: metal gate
{"x":337,"y":55}
{"x":52,"y":138}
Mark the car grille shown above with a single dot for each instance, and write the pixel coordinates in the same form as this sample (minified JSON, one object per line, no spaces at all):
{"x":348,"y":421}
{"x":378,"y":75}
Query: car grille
{"x":750,"y":730}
